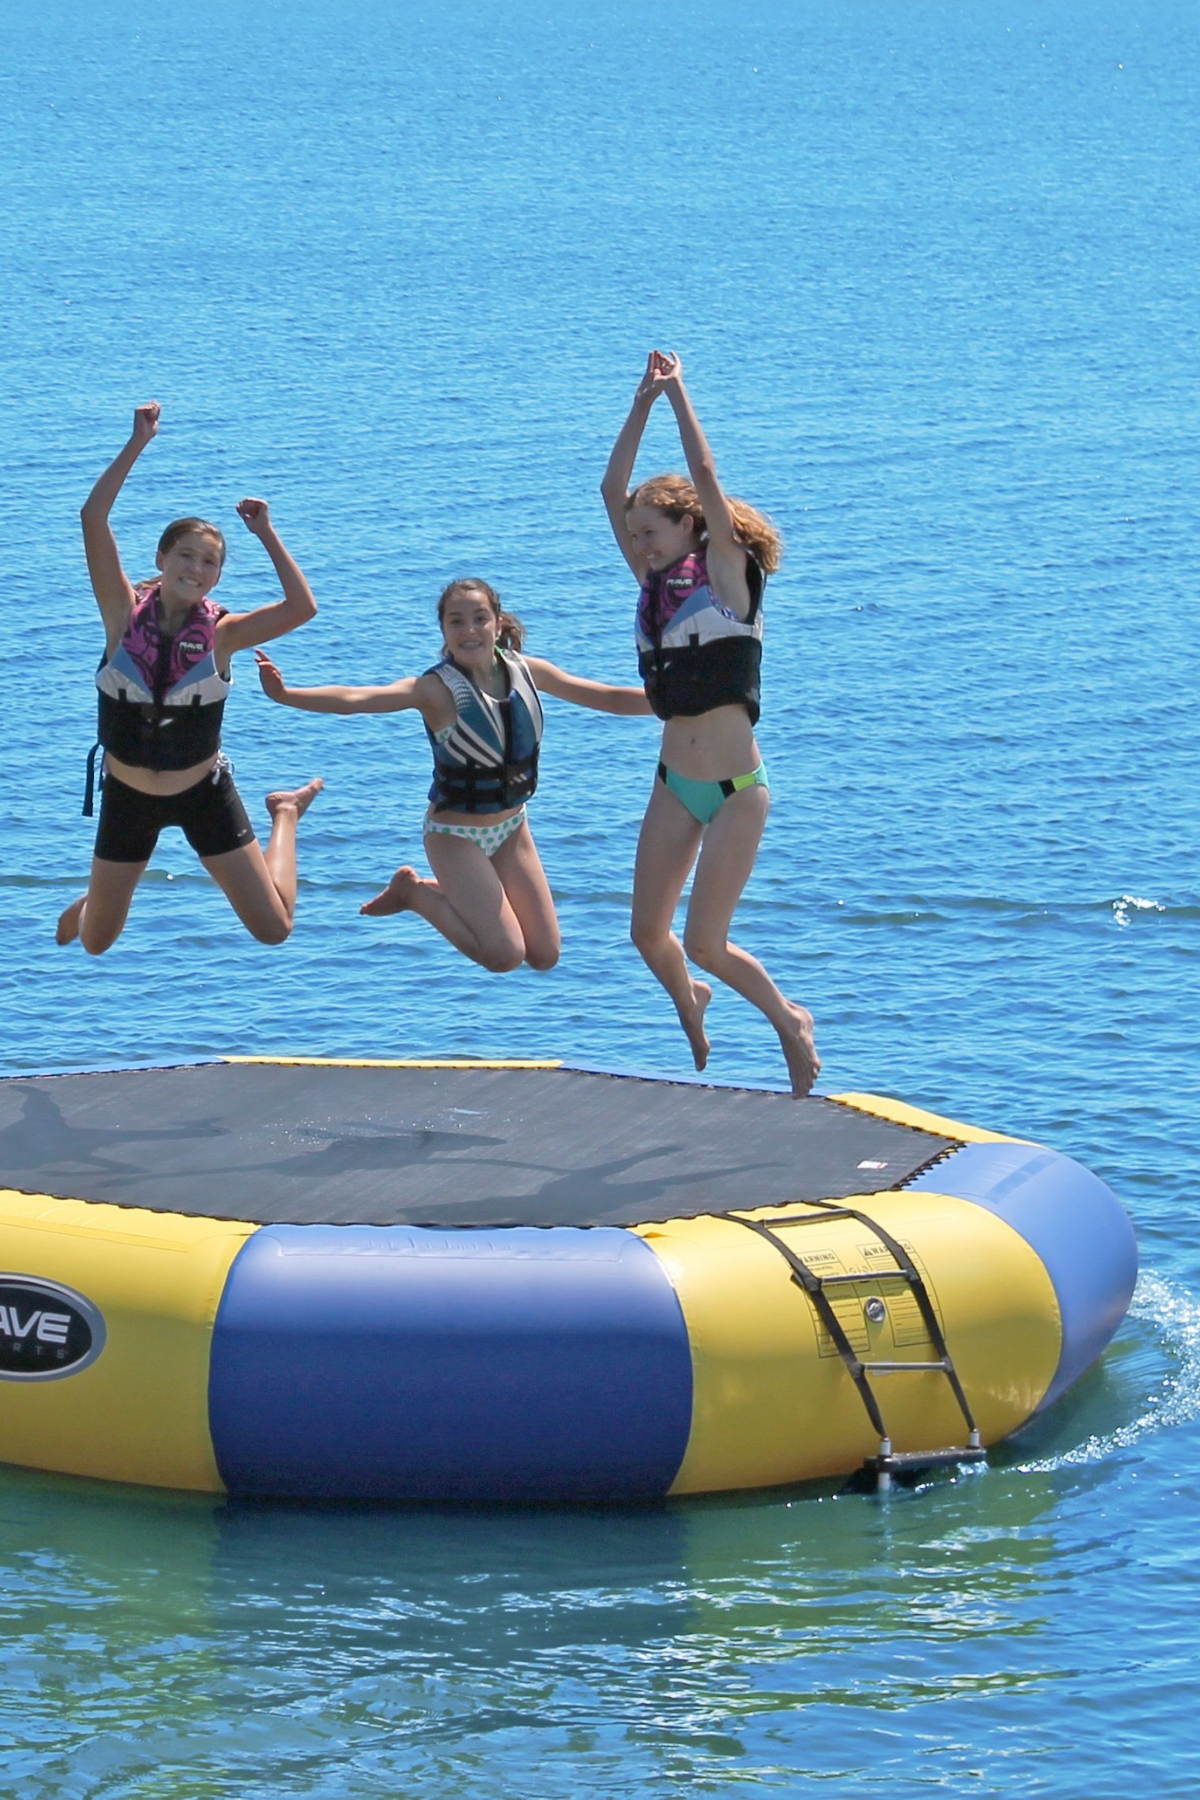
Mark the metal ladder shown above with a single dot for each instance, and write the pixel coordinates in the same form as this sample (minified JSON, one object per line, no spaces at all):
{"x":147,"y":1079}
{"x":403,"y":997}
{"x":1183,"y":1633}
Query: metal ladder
{"x":888,"y":1462}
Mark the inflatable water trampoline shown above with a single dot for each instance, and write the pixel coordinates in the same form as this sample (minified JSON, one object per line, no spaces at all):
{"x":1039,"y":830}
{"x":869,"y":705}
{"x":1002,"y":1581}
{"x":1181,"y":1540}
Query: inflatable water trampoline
{"x":524,"y":1281}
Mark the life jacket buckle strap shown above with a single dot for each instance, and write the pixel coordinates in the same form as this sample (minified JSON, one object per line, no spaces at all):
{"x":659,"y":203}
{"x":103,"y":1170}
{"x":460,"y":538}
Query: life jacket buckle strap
{"x":90,"y":785}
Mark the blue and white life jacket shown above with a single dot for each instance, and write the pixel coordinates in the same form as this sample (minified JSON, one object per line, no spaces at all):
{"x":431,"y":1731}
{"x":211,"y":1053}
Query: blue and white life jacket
{"x":487,"y":760}
{"x":693,"y":653}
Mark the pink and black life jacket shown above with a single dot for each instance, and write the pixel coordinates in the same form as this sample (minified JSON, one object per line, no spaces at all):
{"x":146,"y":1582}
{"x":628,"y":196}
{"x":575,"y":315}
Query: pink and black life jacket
{"x":693,"y":653}
{"x":161,"y":696}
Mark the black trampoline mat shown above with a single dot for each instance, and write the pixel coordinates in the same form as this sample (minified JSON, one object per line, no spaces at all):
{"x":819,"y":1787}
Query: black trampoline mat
{"x":295,"y":1144}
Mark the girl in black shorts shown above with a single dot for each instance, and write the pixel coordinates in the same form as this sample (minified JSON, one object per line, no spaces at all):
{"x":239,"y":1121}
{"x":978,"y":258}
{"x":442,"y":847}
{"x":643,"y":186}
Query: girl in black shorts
{"x":163,"y":682}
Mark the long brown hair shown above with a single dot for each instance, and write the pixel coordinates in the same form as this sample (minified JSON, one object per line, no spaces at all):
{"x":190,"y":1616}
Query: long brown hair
{"x":510,"y":633}
{"x":676,"y":496}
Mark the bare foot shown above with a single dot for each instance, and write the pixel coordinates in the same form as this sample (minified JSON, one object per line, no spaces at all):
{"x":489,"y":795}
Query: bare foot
{"x":299,"y":799}
{"x":68,"y":922}
{"x":396,"y":897}
{"x":693,"y":1023}
{"x":799,"y":1050}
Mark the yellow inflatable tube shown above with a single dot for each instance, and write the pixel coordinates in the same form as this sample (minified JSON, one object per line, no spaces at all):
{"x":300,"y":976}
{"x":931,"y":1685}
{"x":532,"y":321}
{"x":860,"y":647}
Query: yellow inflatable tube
{"x":772,"y":1402}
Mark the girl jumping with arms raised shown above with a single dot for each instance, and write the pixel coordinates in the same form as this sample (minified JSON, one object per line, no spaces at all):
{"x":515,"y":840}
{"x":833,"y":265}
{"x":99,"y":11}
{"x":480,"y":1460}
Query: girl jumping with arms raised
{"x":701,"y":559}
{"x":482,"y":711}
{"x":163,"y":680}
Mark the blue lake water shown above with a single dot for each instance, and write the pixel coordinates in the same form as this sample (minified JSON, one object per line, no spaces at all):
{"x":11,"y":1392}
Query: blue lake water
{"x":933,"y":269}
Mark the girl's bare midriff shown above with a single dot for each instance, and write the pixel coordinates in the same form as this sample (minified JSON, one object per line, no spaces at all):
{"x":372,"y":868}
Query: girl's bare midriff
{"x":713,"y":746}
{"x":162,"y":782}
{"x":476,"y":818}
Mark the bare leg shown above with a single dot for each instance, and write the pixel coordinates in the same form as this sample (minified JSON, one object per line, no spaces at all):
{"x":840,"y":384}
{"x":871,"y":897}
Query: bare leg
{"x":667,"y":846}
{"x":287,"y":808}
{"x":262,"y":888}
{"x":523,"y":879}
{"x":481,"y":924}
{"x":730,"y":846}
{"x":466,"y":902}
{"x":98,"y":917}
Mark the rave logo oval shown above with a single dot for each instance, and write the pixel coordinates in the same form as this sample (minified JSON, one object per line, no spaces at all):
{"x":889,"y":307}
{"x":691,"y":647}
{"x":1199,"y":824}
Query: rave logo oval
{"x":46,"y":1330}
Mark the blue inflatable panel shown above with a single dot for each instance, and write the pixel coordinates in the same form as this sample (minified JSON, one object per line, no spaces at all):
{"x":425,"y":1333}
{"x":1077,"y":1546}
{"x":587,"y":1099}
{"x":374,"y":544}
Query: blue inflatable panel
{"x":382,"y":1362}
{"x":1071,"y":1219}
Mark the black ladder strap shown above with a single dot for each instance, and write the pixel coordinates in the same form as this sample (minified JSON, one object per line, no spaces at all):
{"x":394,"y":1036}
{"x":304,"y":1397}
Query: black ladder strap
{"x":811,"y":1283}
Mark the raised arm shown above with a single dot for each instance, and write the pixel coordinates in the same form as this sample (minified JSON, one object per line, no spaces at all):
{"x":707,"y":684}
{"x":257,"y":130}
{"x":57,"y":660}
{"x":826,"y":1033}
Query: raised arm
{"x":238,"y":631}
{"x":599,"y":695}
{"x":414,"y":692}
{"x":110,"y":584}
{"x":619,"y":473}
{"x":726,"y":556}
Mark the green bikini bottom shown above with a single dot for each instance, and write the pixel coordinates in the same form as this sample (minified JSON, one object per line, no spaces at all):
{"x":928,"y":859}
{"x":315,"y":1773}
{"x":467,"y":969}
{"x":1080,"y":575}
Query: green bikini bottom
{"x":704,"y":799}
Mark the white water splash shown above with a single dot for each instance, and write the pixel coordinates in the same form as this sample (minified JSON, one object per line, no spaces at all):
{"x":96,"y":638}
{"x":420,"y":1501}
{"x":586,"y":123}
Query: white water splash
{"x":1173,"y":1315}
{"x":1125,"y":905}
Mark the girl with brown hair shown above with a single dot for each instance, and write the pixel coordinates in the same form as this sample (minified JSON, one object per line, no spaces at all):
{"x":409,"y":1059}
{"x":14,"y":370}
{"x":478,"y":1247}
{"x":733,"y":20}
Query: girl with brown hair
{"x":701,"y":559}
{"x":482,"y":711}
{"x":163,"y":681}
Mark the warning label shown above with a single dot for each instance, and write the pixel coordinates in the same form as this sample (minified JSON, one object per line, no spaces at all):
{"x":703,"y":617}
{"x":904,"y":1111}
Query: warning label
{"x":876,"y":1278}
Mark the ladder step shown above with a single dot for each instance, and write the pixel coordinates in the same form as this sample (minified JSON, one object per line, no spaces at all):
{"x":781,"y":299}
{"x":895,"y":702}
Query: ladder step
{"x":902,"y":1368}
{"x":879,"y":1474}
{"x":928,"y":1459}
{"x":874,"y":1275}
{"x":813,"y":1218}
